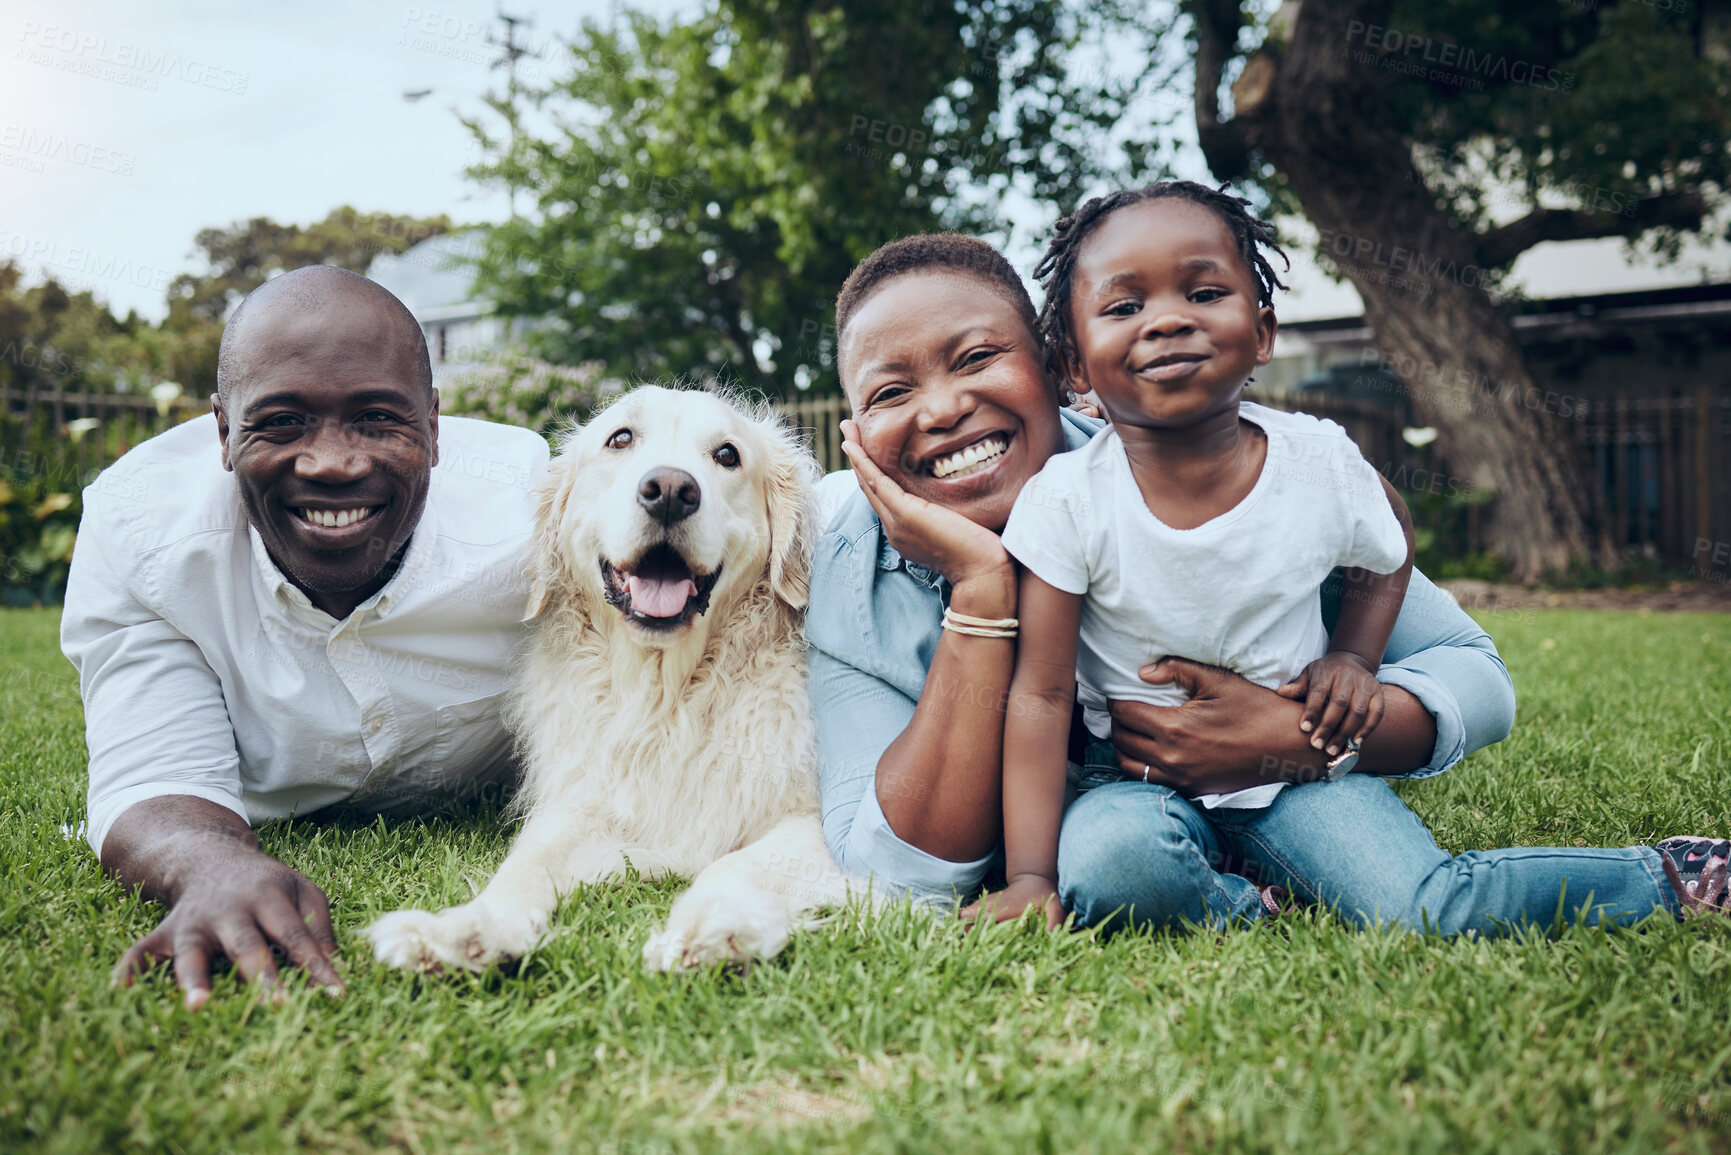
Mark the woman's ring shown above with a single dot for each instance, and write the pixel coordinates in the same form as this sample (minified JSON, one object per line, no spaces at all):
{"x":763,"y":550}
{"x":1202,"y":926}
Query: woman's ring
{"x":1145,"y":768}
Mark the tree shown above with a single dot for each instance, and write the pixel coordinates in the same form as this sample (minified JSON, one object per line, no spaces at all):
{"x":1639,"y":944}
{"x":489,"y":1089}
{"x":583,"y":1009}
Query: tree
{"x":246,"y":254}
{"x":1406,"y":131}
{"x":53,"y":340}
{"x":709,"y":182}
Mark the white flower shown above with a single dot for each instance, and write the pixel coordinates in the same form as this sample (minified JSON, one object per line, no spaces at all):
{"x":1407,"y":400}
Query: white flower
{"x":165,"y":394}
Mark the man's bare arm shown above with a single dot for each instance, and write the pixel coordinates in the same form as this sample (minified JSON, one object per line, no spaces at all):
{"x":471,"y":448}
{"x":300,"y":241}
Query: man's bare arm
{"x":226,"y":897}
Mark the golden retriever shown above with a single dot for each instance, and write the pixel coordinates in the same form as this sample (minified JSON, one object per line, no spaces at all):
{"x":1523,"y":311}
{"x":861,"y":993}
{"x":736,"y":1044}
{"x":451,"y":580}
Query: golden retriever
{"x":660,"y":710}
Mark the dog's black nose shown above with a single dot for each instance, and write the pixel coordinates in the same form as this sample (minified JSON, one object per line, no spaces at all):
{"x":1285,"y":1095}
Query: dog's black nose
{"x":669,"y":495}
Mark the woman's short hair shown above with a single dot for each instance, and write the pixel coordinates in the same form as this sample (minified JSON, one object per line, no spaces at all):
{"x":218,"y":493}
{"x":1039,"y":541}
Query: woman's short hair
{"x":923,"y":252}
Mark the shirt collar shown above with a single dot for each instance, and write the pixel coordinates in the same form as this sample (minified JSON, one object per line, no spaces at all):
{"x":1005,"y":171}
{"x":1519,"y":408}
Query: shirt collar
{"x":1078,"y":431}
{"x":415,"y":561}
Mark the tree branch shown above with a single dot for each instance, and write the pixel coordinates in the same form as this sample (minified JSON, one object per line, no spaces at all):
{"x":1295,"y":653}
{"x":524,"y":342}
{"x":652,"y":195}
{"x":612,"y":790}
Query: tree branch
{"x":1224,"y":144}
{"x":1497,"y":248}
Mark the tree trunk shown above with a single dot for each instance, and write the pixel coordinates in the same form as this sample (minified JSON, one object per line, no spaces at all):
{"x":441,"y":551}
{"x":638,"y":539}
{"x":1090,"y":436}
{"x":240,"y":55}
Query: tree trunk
{"x":1317,"y":115}
{"x":1466,"y":377}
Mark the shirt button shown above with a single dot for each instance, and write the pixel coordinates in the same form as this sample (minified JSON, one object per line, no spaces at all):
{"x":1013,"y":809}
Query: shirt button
{"x":375,"y":724}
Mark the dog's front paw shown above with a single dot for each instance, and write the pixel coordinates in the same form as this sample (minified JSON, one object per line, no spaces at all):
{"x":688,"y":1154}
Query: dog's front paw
{"x":468,"y":937}
{"x":718,"y":927}
{"x":410,"y":940}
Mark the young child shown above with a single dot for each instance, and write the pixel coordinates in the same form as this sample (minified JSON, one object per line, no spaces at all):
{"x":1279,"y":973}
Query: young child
{"x":1198,"y":526}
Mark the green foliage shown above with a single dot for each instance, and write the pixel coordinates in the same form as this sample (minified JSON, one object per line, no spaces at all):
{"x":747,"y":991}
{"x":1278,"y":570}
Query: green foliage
{"x":1637,"y":111}
{"x":514,"y":388}
{"x":894,"y":1032}
{"x":1596,"y":107}
{"x":54,"y":340}
{"x":40,"y":505}
{"x":1442,"y":538}
{"x":712,"y":180}
{"x":1630,"y":572}
{"x":1483,"y":567}
{"x":246,"y":254}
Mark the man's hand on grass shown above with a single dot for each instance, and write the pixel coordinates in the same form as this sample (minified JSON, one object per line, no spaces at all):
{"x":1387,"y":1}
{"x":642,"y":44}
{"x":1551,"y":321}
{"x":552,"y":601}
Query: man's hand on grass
{"x":226,"y":898}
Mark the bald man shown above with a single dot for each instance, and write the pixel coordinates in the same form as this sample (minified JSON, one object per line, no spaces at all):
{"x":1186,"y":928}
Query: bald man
{"x":309,"y":598}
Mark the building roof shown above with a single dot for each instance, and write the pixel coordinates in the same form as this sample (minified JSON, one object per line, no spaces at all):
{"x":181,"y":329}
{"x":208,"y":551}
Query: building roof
{"x":434,"y":278}
{"x":1585,"y":315}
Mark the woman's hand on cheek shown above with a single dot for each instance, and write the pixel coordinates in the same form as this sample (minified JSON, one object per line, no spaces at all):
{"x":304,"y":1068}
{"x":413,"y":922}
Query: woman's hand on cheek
{"x":1231,"y":735}
{"x":926,"y":533}
{"x":1087,"y":404}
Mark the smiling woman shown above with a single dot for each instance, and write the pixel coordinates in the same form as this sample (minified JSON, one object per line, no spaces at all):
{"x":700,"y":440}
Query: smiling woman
{"x":955,"y":409}
{"x":948,"y":384}
{"x":916,"y":615}
{"x":941,"y":366}
{"x":330,"y":424}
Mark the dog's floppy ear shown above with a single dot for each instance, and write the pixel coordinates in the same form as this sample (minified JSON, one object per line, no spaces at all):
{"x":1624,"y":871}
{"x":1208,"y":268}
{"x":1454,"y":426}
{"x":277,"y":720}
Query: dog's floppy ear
{"x":547,"y":568}
{"x":792,"y":473}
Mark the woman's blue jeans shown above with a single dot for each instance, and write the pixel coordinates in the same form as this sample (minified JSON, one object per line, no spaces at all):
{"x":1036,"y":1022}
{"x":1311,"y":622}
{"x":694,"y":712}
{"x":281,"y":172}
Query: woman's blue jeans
{"x":1134,"y":853}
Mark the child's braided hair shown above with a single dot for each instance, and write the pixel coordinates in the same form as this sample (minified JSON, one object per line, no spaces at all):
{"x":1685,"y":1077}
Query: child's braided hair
{"x":1058,"y":266}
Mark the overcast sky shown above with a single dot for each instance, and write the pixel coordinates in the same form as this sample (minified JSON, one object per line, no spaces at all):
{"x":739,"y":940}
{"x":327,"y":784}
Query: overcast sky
{"x":126,"y":128}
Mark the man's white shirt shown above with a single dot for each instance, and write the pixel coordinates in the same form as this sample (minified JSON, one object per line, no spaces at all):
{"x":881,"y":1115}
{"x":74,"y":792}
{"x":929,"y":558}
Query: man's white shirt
{"x":205,"y":672}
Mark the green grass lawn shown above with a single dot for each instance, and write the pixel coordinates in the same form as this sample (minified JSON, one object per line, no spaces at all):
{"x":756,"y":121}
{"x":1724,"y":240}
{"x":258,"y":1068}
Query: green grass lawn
{"x":902,"y":1033}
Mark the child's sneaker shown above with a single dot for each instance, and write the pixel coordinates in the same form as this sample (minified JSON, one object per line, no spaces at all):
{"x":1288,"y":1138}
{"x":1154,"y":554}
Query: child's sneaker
{"x":1699,"y":870}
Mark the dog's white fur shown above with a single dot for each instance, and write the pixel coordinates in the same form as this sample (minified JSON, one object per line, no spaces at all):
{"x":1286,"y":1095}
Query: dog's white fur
{"x":686,"y":752}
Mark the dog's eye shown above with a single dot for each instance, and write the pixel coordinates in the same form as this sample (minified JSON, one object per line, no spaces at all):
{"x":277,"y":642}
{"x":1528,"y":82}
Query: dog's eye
{"x":621,"y":439}
{"x":727,"y":457}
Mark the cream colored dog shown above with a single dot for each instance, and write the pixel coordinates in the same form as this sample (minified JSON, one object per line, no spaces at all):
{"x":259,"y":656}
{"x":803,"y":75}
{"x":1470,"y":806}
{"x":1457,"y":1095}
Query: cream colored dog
{"x":661,"y":709}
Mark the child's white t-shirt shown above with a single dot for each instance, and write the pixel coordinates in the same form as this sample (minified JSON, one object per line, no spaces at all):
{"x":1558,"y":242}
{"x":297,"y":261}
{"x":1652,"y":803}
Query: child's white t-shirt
{"x":1240,"y":591}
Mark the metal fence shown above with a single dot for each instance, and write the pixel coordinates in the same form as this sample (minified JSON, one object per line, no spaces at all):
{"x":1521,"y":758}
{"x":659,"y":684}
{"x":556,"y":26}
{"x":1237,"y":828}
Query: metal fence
{"x":1664,"y":462}
{"x":819,"y":418}
{"x":65,"y":438}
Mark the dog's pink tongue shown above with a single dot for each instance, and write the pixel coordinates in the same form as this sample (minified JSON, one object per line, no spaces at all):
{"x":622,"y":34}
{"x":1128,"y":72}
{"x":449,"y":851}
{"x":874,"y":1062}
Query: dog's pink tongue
{"x":659,"y":597}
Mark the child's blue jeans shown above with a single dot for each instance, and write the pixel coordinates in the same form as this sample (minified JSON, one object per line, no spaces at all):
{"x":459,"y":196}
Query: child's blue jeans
{"x":1140,"y":853}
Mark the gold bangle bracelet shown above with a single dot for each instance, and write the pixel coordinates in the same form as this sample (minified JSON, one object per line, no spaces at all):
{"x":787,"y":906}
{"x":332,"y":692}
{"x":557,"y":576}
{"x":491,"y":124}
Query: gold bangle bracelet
{"x":961,"y":619}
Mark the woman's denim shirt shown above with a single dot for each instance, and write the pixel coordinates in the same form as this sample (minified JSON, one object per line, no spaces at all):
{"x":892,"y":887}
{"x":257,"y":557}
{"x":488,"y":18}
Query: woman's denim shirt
{"x":873,"y":627}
